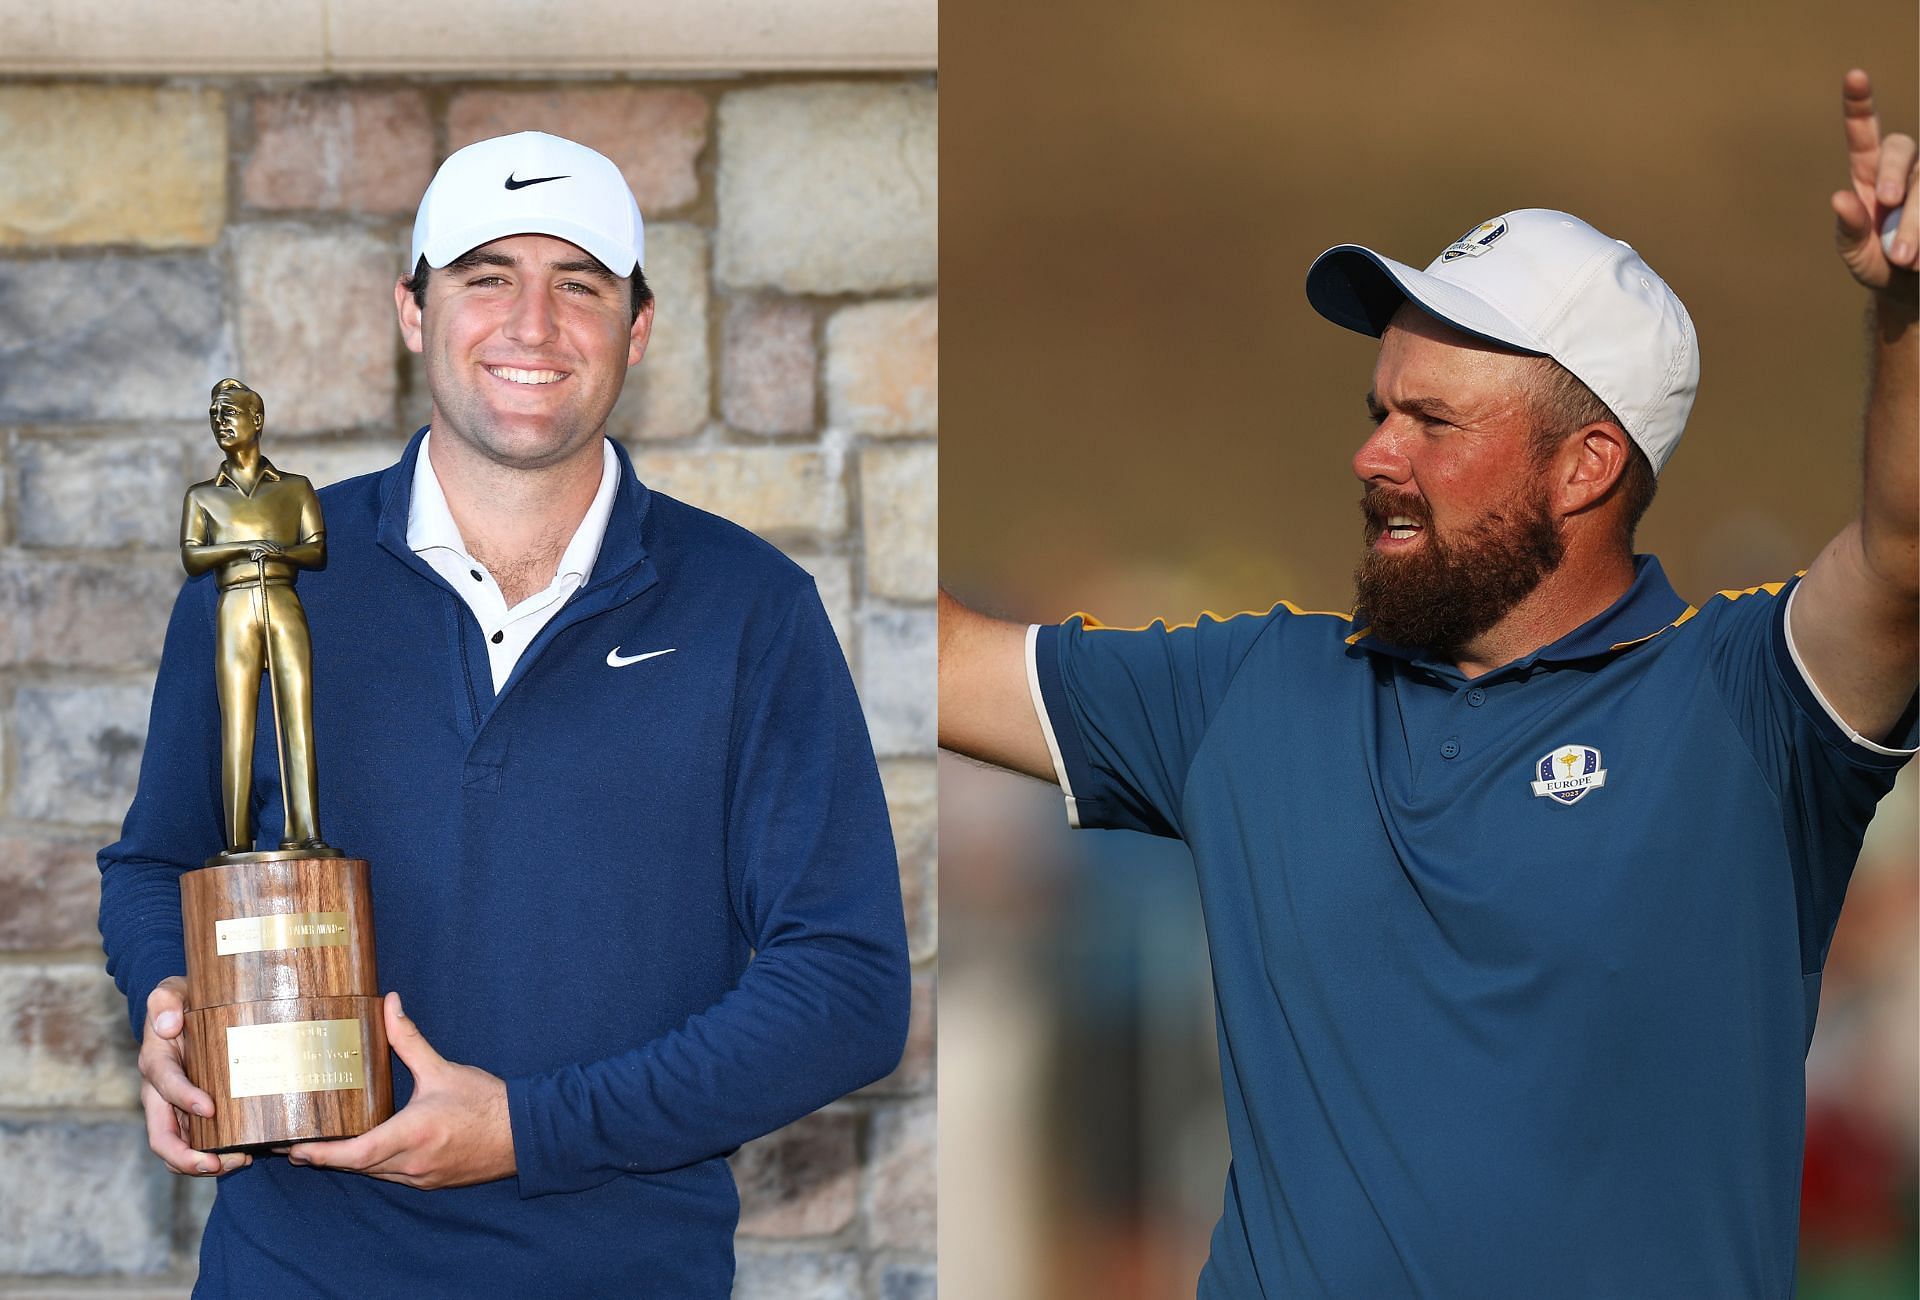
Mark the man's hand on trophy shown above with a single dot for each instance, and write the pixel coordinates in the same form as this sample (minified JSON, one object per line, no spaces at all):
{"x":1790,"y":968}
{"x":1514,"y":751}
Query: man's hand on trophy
{"x":262,"y":550}
{"x":165,"y":1092}
{"x":453,"y":1132}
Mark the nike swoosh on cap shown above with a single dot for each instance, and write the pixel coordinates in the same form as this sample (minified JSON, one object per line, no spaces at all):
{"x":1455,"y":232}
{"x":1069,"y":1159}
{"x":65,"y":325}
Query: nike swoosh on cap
{"x":513,"y":184}
{"x":617,"y":660}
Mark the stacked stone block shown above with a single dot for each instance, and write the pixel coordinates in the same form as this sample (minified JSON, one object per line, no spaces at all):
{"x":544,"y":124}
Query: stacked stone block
{"x":154,"y":237}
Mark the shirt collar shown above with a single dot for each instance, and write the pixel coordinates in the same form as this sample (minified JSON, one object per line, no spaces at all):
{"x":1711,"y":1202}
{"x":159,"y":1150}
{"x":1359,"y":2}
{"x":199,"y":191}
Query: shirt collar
{"x":622,"y":566}
{"x":267,"y":473}
{"x":1647,"y":607}
{"x":577,"y":560}
{"x":430,"y":522}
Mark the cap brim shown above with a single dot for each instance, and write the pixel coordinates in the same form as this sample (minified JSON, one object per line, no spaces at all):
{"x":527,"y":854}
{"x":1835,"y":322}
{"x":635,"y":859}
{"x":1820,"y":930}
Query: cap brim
{"x":1357,"y":289}
{"x":445,"y":248}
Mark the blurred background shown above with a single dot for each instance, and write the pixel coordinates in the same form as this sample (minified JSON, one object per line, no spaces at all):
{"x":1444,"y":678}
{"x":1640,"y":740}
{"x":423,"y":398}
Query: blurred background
{"x":1144,"y":418}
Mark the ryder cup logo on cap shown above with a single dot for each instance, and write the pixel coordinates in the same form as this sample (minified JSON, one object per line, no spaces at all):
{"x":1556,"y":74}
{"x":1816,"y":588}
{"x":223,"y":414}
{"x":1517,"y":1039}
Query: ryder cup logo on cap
{"x":1546,"y":283}
{"x":1476,"y":241}
{"x":529,"y":184}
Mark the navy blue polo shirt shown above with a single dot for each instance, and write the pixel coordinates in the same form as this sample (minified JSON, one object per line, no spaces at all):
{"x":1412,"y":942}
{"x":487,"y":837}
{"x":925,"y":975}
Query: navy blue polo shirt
{"x":1515,"y":976}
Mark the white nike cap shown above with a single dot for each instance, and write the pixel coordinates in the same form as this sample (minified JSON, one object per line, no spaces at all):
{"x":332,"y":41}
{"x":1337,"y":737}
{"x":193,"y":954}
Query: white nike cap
{"x":529,"y":184}
{"x":1547,"y":283}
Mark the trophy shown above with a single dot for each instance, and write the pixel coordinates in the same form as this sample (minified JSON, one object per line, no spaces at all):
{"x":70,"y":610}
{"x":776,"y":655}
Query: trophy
{"x":284,"y":1024}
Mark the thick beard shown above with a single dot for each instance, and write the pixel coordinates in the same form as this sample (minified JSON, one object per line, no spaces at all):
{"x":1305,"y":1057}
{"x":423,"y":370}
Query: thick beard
{"x":1448,"y":592}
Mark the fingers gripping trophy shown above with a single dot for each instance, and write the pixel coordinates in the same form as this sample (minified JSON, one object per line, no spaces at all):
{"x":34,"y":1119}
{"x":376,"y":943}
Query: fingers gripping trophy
{"x":284,"y":1027}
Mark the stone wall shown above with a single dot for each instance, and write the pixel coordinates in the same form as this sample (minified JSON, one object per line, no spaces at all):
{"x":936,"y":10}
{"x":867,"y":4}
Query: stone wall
{"x":157,"y":235}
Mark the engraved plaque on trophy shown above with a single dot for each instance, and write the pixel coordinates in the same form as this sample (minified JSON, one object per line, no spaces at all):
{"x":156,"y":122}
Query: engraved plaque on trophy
{"x":284,"y":1024}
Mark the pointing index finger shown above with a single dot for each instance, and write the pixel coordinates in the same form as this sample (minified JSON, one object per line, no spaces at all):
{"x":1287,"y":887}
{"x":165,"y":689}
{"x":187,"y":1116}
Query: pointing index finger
{"x":1862,"y":126}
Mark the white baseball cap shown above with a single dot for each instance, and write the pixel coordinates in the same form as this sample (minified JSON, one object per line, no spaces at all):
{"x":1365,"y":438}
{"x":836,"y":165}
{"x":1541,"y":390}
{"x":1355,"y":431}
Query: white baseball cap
{"x":1547,"y":283}
{"x":529,"y":184}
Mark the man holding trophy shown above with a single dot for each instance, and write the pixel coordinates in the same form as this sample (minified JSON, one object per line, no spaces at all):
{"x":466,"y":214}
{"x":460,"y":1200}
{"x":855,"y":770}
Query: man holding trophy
{"x":628,"y":849}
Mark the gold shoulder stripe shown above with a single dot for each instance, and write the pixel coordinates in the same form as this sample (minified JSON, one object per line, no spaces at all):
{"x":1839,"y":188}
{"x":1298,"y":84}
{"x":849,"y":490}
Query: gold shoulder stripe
{"x":1092,"y":624}
{"x":1732,"y":593}
{"x":1771,"y":588}
{"x":1323,"y":613}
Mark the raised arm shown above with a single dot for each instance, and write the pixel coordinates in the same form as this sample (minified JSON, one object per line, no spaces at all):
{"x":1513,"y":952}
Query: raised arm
{"x":986,"y":708}
{"x":1856,"y":615}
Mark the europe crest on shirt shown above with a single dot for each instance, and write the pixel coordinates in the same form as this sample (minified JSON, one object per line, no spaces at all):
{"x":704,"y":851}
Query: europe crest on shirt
{"x":1569,"y":772}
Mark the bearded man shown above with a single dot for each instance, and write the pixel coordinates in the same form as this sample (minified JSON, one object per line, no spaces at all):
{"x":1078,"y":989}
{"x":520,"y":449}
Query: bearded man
{"x":1518,"y":881}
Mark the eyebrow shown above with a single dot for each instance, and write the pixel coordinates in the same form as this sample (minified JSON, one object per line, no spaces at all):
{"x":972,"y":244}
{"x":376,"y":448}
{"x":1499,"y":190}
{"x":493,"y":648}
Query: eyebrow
{"x":572,"y":266}
{"x":1430,"y":406}
{"x":467,"y":261}
{"x":584,"y":266}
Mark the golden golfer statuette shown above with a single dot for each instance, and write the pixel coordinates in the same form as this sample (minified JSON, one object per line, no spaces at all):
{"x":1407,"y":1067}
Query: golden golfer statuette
{"x":284,"y":1027}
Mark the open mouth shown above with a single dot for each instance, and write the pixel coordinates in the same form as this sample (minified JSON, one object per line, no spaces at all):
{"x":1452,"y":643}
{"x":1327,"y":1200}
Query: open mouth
{"x":1394,"y":519}
{"x":1393,"y":532}
{"x":530,"y":378}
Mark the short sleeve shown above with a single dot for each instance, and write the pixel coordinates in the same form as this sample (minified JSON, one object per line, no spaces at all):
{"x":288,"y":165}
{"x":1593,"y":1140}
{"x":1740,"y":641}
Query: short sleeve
{"x":1125,"y":711}
{"x":1825,"y":777}
{"x":312,"y":523}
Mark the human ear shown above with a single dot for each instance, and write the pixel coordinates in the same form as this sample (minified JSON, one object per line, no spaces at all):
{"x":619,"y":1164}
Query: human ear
{"x":1599,"y":456}
{"x":638,"y":336}
{"x":409,"y":311}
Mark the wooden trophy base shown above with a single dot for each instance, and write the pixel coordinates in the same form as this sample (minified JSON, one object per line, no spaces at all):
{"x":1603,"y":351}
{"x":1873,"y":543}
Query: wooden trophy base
{"x":288,"y":1070}
{"x":285,"y":1029}
{"x":279,"y":927}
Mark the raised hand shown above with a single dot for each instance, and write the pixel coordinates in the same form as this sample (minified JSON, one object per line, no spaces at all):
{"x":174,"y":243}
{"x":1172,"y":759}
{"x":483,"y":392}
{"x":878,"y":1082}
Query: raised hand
{"x":1883,"y":177}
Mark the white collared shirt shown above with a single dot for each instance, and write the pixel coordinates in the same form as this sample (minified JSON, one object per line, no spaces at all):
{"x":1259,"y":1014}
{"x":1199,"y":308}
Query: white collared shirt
{"x":435,"y":538}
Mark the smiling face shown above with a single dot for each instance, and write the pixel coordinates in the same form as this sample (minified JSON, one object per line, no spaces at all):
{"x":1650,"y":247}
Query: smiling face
{"x":527,"y":341}
{"x":1459,"y":526}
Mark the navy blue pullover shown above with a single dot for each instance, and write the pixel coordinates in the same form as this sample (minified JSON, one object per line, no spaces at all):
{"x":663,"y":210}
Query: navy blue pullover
{"x":659,"y":899}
